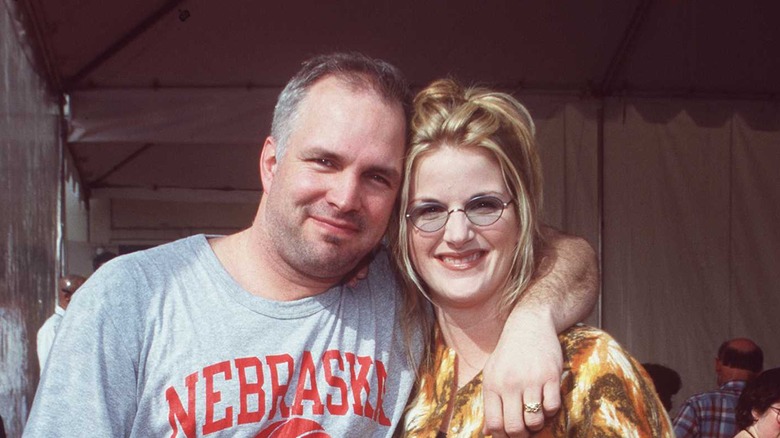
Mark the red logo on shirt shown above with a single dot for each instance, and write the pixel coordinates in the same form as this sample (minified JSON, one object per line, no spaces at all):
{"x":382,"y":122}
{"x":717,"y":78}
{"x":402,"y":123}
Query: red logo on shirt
{"x":294,"y":428}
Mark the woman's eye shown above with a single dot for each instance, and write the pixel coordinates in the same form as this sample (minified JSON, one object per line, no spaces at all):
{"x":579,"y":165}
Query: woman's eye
{"x":430,"y":211}
{"x":484,"y":205}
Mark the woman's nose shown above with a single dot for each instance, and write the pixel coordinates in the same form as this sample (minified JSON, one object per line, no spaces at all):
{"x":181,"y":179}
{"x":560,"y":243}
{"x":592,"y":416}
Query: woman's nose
{"x":458,"y":229}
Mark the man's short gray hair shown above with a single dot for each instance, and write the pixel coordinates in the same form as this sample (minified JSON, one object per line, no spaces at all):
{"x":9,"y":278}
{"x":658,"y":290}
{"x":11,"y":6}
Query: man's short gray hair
{"x":355,"y":69}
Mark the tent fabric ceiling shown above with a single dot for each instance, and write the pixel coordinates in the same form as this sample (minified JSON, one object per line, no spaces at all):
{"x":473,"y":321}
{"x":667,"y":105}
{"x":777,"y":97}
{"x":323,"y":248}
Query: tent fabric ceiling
{"x":676,"y":46}
{"x":98,"y":50}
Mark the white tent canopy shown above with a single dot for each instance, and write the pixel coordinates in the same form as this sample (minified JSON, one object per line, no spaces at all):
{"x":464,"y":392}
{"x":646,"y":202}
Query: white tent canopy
{"x":201,"y":75}
{"x":659,"y":123}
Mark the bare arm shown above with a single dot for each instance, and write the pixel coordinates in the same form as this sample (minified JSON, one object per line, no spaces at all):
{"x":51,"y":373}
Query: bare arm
{"x":527,"y":362}
{"x":566,"y":282}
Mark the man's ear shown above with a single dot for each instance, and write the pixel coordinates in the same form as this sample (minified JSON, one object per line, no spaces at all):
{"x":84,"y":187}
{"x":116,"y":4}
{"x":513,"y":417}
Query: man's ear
{"x":268,"y":163}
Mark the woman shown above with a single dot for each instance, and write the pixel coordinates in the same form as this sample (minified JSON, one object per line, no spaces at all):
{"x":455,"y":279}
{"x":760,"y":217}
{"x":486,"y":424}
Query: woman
{"x":758,"y":409}
{"x":467,"y":240}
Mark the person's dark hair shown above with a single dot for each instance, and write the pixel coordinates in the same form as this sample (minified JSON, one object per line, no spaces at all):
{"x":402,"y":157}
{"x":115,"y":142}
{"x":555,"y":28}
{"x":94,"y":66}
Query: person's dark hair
{"x":751,"y":360}
{"x":759,"y":394}
{"x":355,"y":69}
{"x":101,"y":258}
{"x":666,"y":380}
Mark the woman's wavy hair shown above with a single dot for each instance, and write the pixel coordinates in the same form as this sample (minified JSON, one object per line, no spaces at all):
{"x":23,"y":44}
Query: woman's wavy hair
{"x":447,"y":115}
{"x":759,"y":394}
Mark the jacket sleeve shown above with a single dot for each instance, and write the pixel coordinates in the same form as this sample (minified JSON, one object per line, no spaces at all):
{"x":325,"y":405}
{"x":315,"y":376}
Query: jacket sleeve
{"x":606,"y":392}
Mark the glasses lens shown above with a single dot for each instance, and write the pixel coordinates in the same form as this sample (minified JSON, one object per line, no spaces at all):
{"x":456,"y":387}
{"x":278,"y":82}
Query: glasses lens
{"x":428,"y":217}
{"x":484,"y":210}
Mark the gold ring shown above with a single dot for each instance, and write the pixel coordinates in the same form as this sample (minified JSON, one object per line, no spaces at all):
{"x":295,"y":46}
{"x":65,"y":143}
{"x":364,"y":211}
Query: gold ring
{"x":532,"y":408}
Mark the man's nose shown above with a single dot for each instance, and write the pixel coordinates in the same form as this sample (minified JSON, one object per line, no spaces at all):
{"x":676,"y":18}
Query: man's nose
{"x":345,"y":193}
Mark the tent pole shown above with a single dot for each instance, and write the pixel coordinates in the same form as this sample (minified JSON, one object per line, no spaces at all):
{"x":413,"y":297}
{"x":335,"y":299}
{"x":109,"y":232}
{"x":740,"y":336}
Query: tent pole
{"x":600,"y":208}
{"x":622,"y":52}
{"x":121,"y":43}
{"x":99,"y":181}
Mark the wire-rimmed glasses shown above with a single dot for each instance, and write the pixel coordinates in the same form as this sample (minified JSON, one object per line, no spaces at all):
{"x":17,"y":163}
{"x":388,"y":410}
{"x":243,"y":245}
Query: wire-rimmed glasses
{"x":481,"y":211}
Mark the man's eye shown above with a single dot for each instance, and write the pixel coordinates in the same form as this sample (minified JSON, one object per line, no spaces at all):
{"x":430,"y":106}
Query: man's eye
{"x":324,"y":162}
{"x":380,"y":179}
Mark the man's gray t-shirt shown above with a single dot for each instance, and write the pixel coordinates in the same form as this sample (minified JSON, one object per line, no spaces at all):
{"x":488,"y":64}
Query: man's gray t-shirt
{"x":165,"y":343}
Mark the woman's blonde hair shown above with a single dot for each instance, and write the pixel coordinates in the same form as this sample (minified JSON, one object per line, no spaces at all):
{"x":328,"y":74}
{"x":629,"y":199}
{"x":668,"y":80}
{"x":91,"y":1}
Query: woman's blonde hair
{"x":448,"y":115}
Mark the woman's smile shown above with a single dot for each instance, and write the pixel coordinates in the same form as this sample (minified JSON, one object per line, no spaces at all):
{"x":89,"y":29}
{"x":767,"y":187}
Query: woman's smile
{"x":462,"y":261}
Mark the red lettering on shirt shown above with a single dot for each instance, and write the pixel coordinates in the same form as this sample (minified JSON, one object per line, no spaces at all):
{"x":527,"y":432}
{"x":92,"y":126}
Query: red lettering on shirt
{"x":213,"y":397}
{"x":308,"y":373}
{"x":381,"y":377}
{"x":359,"y":383}
{"x":246,"y":389}
{"x":345,"y":378}
{"x":176,"y":410}
{"x":278,"y":390}
{"x":328,"y":358}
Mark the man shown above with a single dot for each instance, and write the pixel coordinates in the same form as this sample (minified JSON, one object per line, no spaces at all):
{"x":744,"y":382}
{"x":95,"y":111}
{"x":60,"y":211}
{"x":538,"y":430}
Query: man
{"x":255,"y":334}
{"x":67,"y":286}
{"x":711,"y":414}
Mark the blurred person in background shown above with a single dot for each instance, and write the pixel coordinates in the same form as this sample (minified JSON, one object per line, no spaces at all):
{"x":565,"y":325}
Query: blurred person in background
{"x":667,"y":382}
{"x":101,"y":258}
{"x":711,"y":414}
{"x":67,"y":286}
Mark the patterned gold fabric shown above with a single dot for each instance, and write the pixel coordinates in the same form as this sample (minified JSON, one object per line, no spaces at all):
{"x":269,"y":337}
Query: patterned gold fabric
{"x":605,"y":393}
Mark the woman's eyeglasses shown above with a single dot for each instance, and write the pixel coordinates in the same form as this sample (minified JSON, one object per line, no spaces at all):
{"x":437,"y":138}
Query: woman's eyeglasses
{"x":481,"y":211}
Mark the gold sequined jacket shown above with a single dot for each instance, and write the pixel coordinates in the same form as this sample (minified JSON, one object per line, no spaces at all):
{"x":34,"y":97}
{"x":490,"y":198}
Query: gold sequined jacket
{"x":604,"y":392}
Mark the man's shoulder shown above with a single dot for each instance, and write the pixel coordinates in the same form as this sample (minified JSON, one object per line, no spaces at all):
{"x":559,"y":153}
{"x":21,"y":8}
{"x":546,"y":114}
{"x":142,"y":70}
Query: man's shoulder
{"x":130,"y":280}
{"x":727,"y":389}
{"x":145,"y":264}
{"x":381,"y":274}
{"x":705,"y":397}
{"x":733,"y":387}
{"x":166,"y":253}
{"x":379,"y":292}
